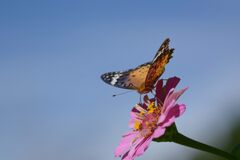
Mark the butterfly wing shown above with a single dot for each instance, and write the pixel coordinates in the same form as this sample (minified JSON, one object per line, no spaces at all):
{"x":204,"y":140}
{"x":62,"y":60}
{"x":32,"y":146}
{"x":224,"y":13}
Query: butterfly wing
{"x":162,"y":57}
{"x":130,"y":79}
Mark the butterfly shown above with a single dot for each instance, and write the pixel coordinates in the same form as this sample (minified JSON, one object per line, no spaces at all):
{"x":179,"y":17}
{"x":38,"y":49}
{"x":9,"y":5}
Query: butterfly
{"x":142,"y":78}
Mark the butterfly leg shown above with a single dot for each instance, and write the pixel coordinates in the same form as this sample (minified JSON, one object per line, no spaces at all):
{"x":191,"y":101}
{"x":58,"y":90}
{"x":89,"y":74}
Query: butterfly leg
{"x":153,"y":91}
{"x":156,"y":98}
{"x":140,"y":98}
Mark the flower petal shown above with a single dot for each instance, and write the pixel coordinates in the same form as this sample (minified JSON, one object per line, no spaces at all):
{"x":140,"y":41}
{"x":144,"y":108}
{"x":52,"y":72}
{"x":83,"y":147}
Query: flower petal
{"x":139,"y":147}
{"x":177,"y":94}
{"x":162,"y":91}
{"x":132,"y":120}
{"x":172,"y":97}
{"x":159,"y":91}
{"x":126,"y":157}
{"x":172,"y":114}
{"x":159,"y":132}
{"x":164,"y":114}
{"x":135,"y":116}
{"x":171,"y":83}
{"x":130,"y":154}
{"x":125,"y":143}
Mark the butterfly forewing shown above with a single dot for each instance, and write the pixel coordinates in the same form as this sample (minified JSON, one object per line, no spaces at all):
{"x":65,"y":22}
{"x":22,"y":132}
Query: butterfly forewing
{"x":162,"y":57}
{"x":130,"y":79}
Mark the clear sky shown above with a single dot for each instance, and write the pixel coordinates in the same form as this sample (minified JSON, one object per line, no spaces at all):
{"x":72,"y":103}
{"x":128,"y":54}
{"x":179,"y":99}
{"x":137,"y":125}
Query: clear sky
{"x":53,"y":104}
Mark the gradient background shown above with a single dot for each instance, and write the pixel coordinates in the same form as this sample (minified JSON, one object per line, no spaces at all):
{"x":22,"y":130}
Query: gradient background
{"x":53,"y":104}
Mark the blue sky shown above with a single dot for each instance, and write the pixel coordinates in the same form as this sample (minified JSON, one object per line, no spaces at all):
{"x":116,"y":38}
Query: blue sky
{"x":53,"y":104}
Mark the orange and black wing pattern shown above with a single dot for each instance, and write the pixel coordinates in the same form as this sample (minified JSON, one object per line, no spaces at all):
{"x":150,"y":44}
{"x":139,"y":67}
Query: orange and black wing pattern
{"x":162,"y":57}
{"x":130,"y":79}
{"x":143,"y":77}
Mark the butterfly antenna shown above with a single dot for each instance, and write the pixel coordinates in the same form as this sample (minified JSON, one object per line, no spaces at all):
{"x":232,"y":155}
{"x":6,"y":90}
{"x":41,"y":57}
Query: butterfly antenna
{"x":114,"y":95}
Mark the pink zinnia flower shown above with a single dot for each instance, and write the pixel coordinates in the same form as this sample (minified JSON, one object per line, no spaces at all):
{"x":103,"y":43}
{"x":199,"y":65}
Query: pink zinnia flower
{"x":150,"y":119}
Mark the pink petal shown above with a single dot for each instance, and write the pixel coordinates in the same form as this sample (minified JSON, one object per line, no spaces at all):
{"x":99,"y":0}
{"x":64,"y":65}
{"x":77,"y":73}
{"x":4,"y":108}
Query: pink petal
{"x":171,"y":83}
{"x":132,"y":150}
{"x":139,"y":108}
{"x":135,"y":114}
{"x":161,"y":118}
{"x":159,"y":85}
{"x":161,"y":91}
{"x":126,"y":157}
{"x":134,"y":109}
{"x":172,"y":96}
{"x":139,"y":147}
{"x":165,"y":111}
{"x":177,"y":94}
{"x":133,"y":118}
{"x":159,"y":132}
{"x":182,"y":108}
{"x":168,"y":104}
{"x":172,"y":114}
{"x":125,"y":143}
{"x":142,"y":148}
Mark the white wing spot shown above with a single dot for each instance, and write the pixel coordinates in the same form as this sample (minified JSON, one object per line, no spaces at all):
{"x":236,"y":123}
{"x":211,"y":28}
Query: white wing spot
{"x":115,"y":78}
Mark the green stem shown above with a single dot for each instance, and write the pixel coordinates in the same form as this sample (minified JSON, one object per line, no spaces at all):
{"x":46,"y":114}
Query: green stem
{"x":183,"y":140}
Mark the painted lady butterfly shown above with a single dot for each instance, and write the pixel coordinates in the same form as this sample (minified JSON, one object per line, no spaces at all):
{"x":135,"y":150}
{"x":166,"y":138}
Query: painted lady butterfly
{"x":143,"y":77}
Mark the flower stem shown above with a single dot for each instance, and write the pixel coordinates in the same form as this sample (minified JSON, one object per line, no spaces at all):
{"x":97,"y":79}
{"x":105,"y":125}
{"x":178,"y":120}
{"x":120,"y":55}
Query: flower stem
{"x":183,"y":140}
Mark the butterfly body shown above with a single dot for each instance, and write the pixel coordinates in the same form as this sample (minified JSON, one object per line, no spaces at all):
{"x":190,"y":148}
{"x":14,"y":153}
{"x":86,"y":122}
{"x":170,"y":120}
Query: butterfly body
{"x":143,"y":77}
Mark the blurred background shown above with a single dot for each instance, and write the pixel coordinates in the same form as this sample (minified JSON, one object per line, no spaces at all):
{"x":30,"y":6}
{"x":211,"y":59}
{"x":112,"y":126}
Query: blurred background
{"x":53,"y":104}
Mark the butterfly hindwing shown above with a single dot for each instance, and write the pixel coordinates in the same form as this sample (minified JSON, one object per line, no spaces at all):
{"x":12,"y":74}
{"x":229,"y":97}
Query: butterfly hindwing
{"x":130,"y":79}
{"x":138,"y":76}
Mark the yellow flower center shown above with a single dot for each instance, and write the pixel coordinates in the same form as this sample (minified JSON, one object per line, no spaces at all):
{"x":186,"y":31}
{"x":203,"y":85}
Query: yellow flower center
{"x":137,"y":125}
{"x":148,"y":123}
